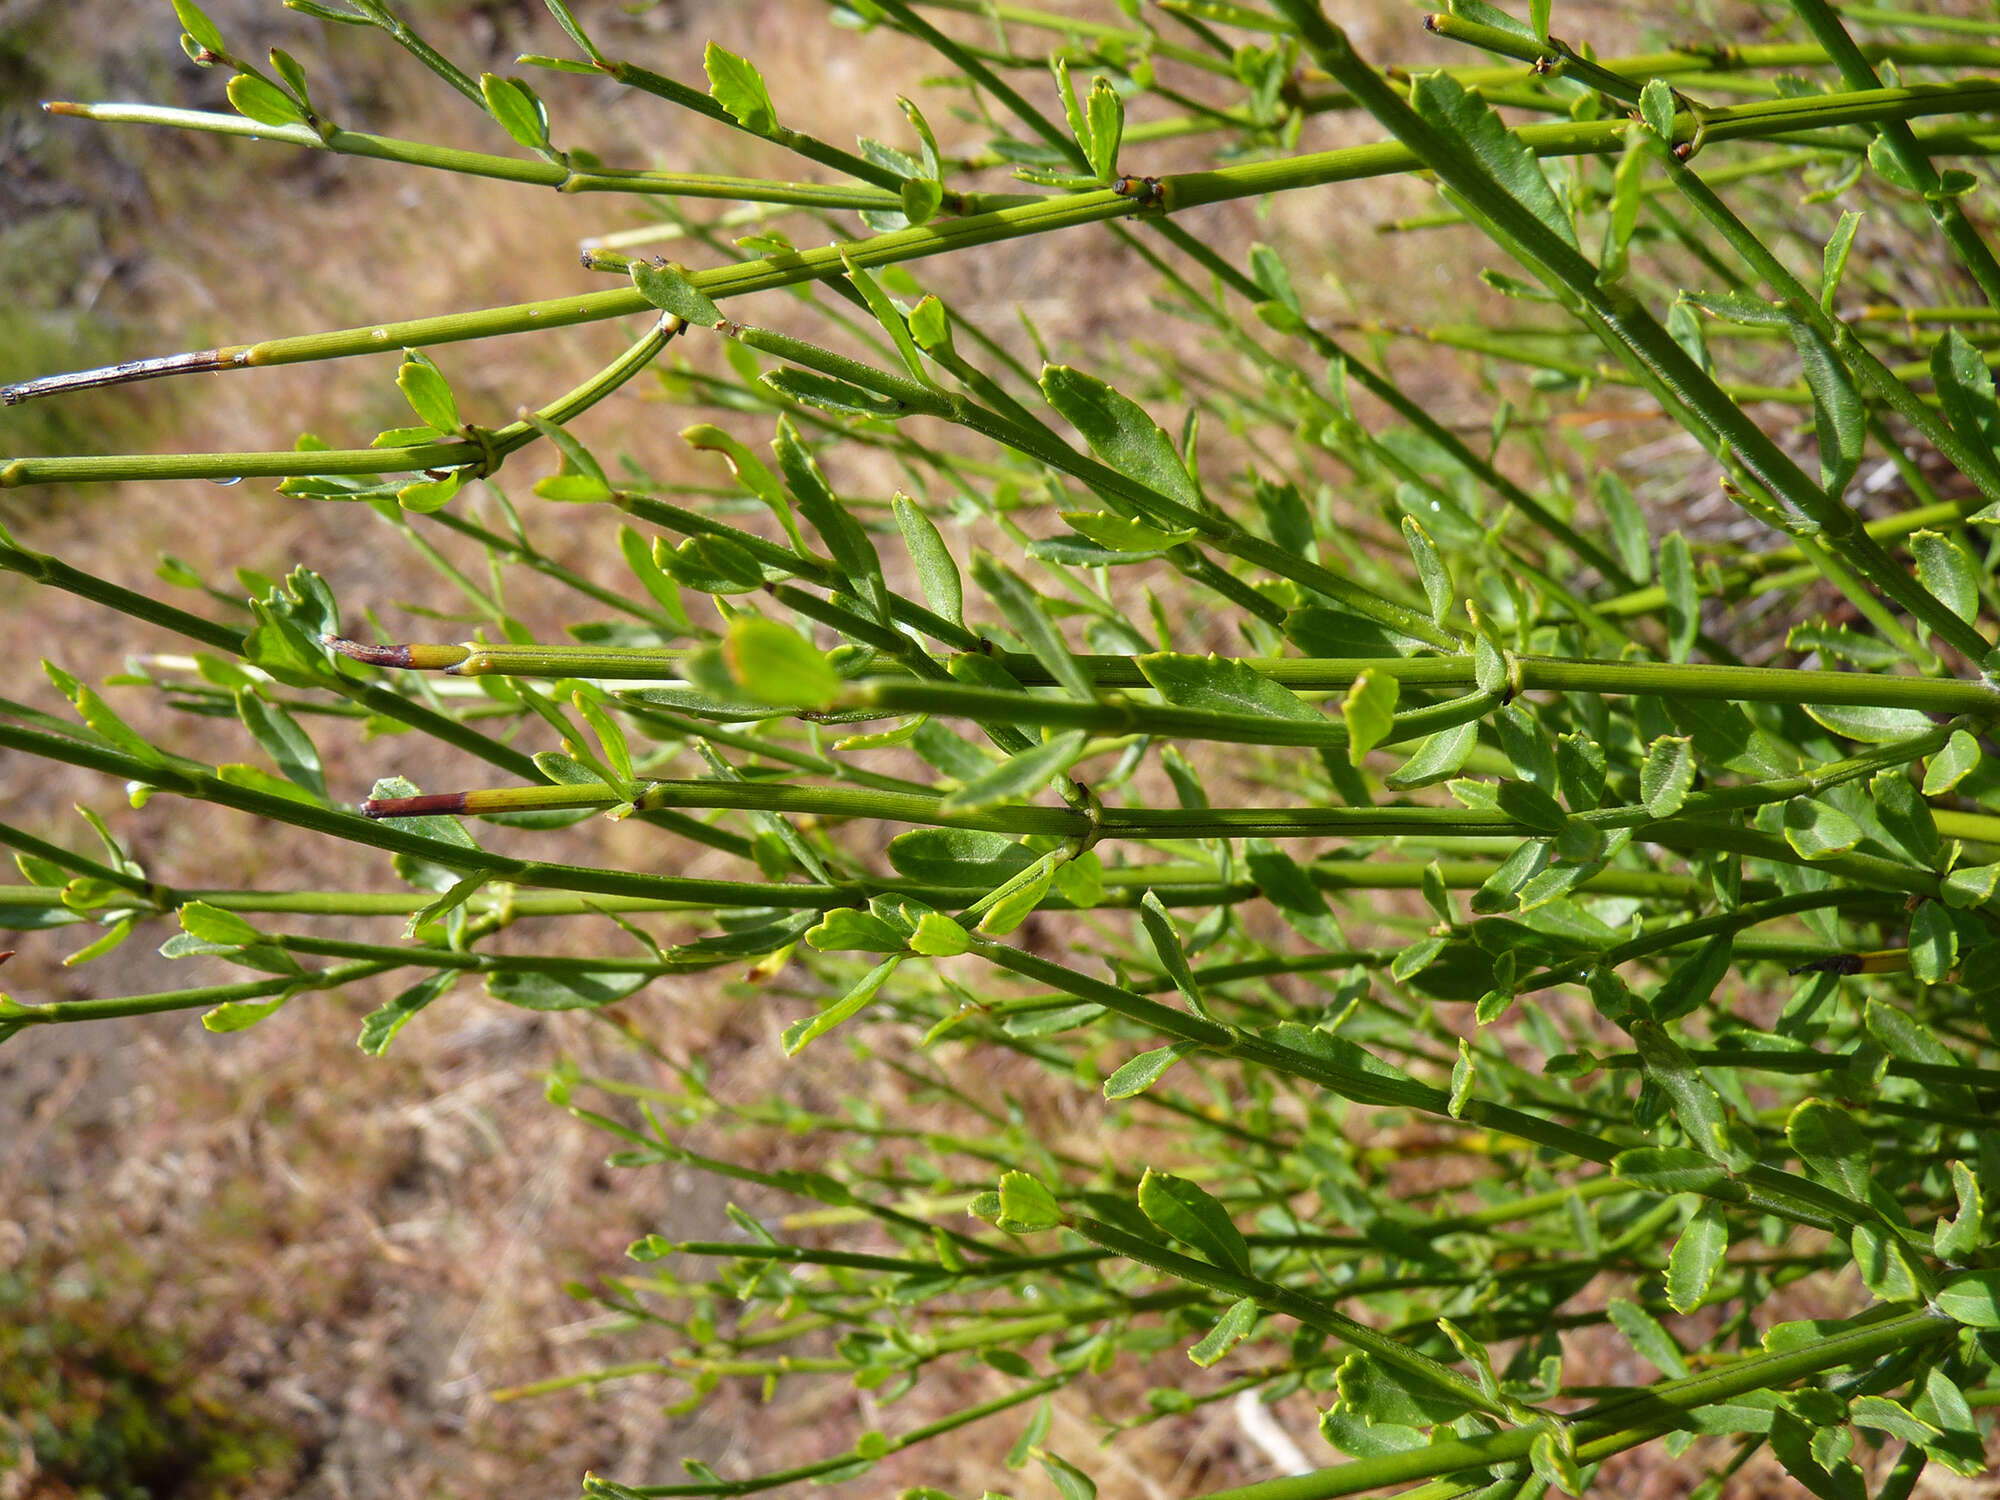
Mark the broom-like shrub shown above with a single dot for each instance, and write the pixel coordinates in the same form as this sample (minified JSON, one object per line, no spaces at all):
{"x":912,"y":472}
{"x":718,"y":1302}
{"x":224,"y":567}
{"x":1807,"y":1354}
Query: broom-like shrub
{"x":1462,"y":947}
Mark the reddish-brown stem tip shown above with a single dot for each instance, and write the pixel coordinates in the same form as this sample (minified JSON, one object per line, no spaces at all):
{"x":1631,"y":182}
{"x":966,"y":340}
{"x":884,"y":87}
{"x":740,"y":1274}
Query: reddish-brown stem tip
{"x":374,"y":656}
{"x":428,"y":804}
{"x":422,"y":656}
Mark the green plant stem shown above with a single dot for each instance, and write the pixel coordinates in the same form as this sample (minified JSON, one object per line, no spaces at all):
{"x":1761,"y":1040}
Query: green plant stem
{"x":1413,"y":412}
{"x":1303,"y":674}
{"x":1777,"y":1192}
{"x":1311,"y":1311}
{"x":1616,"y":1426}
{"x":1080,"y":26}
{"x":1974,"y":461}
{"x":1051,"y":133}
{"x":1021,"y":1395}
{"x":1185,"y":190}
{"x":482,"y":453}
{"x":54,"y":1012}
{"x":1625,"y":325}
{"x":1681,"y":932}
{"x":56,"y":573}
{"x":549,"y":174}
{"x":1858,"y":73}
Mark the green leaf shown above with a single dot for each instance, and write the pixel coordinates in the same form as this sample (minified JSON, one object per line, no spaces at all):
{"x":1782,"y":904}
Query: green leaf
{"x":1501,"y":154}
{"x":1167,"y":944}
{"x":1369,"y":711}
{"x":965,"y":857}
{"x":1628,"y":181}
{"x":1884,"y":1415}
{"x":1943,"y":1405}
{"x":1970,"y":885}
{"x":1817,"y":829}
{"x":1903,"y":1035}
{"x":518,"y":109}
{"x":1683,"y":605}
{"x":930,"y":326}
{"x":423,"y":385}
{"x":1696,"y":1104}
{"x":283,"y":740}
{"x":1956,"y":1238}
{"x":668,"y":288}
{"x":1839,"y":419}
{"x":214,"y":925}
{"x":1121,"y":534}
{"x":1903,"y":815}
{"x":1653,"y":1343}
{"x":1217,"y":684}
{"x":1888,"y":1268}
{"x":920,"y":198}
{"x":847,"y":929}
{"x":533,"y":991}
{"x":1832,"y":1146}
{"x":1384,"y":1395}
{"x":1287,"y":887}
{"x":1833,"y":260}
{"x":256,"y":99}
{"x":1870,"y":725}
{"x":1666,"y":775}
{"x":1948,"y":571}
{"x":1017,"y":897}
{"x":1073,"y":115}
{"x":1025,"y":1205}
{"x":1119,"y":432}
{"x":797,"y":1035}
{"x":195,"y":22}
{"x":887,"y":314}
{"x":98,"y":714}
{"x":709,"y":565}
{"x":1028,"y":613}
{"x":1020,"y":776}
{"x":1692,"y":1263}
{"x":1431,"y":569}
{"x":1792,"y":1445}
{"x":1972,"y":1298}
{"x":1657,"y":107}
{"x":638,"y":554}
{"x":379,"y":1027}
{"x":1965,"y":390}
{"x":738,"y":87}
{"x":1142,"y":1072}
{"x":427,"y":496}
{"x":1628,"y":527}
{"x":1952,"y":764}
{"x":772,"y":663}
{"x":1672,"y":1169}
{"x":1106,"y":113}
{"x":1933,"y":943}
{"x":241,"y":1015}
{"x":1183,"y":1210}
{"x":938,"y":936}
{"x":937,"y":570}
{"x":287,"y":68}
{"x":1232,"y":1328}
{"x":1071,"y":1482}
{"x":610,"y":737}
{"x":1437,"y":758}
{"x":1463,"y":1074}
